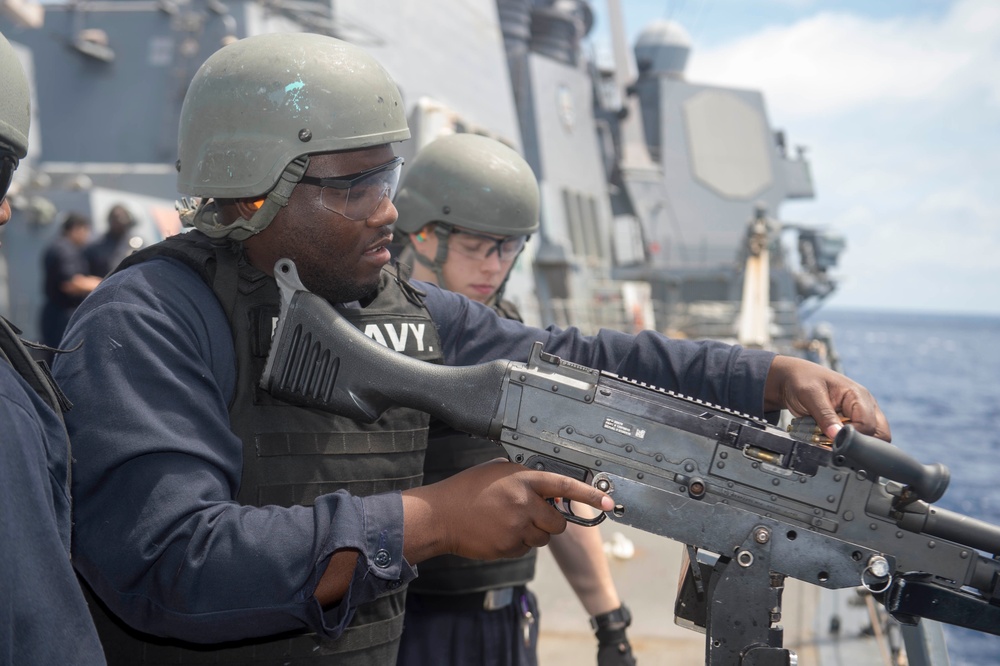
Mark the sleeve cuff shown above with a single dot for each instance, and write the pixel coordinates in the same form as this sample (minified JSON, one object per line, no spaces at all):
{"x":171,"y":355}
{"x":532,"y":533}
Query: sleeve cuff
{"x":381,"y":567}
{"x":746,"y":383}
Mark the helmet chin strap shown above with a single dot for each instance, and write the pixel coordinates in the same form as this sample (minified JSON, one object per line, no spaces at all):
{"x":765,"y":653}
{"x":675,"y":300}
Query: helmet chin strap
{"x":206,"y":216}
{"x":498,"y":294}
{"x":436,"y":265}
{"x":442,"y":231}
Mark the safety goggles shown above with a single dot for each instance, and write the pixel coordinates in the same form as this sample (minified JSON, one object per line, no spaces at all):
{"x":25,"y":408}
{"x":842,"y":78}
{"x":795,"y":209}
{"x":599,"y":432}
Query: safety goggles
{"x":357,"y":196}
{"x":480,"y":246}
{"x":8,"y":164}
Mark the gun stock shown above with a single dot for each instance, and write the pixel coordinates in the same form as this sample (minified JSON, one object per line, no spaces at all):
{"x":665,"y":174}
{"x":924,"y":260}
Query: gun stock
{"x":319,"y":359}
{"x":765,"y":502}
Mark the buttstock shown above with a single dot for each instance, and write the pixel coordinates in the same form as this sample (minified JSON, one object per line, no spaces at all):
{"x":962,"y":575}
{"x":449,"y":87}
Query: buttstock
{"x":319,"y":359}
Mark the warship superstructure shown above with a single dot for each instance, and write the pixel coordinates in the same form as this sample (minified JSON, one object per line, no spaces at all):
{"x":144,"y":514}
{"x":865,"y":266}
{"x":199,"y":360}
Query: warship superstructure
{"x":657,"y":192}
{"x":661,"y":197}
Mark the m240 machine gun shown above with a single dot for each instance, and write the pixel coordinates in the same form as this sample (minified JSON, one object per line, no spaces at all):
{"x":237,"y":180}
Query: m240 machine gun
{"x":765,"y":503}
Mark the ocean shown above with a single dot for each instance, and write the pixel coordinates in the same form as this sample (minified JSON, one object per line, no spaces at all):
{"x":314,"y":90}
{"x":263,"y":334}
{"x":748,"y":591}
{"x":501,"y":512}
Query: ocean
{"x":937,"y":379}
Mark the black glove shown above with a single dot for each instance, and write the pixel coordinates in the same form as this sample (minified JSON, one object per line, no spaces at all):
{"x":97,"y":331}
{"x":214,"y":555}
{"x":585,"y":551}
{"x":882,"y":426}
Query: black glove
{"x":613,"y":648}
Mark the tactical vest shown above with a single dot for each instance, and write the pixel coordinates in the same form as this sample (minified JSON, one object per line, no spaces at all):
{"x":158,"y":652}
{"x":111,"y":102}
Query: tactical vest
{"x":291,"y":454}
{"x":450,"y":452}
{"x":36,"y":373}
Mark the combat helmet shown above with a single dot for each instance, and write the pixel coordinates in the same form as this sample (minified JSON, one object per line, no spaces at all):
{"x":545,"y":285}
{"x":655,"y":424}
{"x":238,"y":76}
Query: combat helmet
{"x":15,"y":102}
{"x":257,"y":108}
{"x":469,"y":181}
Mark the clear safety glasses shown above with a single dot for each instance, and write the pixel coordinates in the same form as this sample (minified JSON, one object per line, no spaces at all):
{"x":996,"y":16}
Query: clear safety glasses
{"x":357,"y":196}
{"x":480,"y":246}
{"x":8,"y":164}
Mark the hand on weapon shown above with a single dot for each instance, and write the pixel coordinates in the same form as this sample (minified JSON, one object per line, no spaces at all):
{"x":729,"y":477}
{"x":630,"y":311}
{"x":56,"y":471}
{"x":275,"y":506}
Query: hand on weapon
{"x":494,"y":510}
{"x":805,"y":388}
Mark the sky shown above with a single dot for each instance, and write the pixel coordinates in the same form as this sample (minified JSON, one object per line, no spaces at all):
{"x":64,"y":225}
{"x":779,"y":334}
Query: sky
{"x":898,"y":103}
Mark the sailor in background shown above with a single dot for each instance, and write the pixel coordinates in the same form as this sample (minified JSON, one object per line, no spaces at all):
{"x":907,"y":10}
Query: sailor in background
{"x":106,"y":252}
{"x":43,"y":615}
{"x":467,"y":207}
{"x":67,"y":277}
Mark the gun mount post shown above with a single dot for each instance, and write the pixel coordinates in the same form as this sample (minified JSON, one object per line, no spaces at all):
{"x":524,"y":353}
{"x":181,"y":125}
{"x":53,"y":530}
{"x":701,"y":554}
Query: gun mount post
{"x":744,"y":607}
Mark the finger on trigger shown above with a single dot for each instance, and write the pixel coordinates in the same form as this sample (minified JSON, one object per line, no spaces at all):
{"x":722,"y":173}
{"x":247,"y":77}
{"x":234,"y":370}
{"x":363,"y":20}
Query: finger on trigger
{"x":590,"y":496}
{"x":550,"y":485}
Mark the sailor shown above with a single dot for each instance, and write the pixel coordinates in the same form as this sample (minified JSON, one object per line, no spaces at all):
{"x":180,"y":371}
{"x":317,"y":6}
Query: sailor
{"x":67,"y":277}
{"x":107,"y":251}
{"x":43,"y":615}
{"x":467,"y":207}
{"x":218,"y":523}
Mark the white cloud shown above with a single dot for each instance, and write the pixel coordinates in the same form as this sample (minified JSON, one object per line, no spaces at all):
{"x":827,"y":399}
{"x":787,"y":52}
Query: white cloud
{"x":837,"y":62}
{"x":902,"y":117}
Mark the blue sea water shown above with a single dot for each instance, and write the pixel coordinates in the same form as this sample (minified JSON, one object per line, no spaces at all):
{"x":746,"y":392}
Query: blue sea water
{"x":937,"y":379}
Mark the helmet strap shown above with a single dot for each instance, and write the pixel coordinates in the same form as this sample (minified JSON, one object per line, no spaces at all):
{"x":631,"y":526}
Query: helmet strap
{"x":498,"y":296}
{"x":442,"y":231}
{"x":207,"y":220}
{"x":436,"y":265}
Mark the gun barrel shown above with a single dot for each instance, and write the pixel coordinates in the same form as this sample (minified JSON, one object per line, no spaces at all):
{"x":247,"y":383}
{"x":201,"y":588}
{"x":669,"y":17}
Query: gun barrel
{"x":883,"y":459}
{"x":986,"y":577}
{"x":961,"y":529}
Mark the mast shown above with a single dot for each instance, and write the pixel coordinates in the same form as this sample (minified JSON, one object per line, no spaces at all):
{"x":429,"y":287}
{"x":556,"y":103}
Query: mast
{"x":634,"y":153}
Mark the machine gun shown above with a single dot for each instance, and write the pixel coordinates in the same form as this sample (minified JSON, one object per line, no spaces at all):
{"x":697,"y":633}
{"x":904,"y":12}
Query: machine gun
{"x":764,"y":502}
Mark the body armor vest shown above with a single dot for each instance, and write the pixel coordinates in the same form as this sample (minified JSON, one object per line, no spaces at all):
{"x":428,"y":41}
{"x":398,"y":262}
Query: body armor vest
{"x":35,"y":373}
{"x":450,"y":452}
{"x":291,"y":454}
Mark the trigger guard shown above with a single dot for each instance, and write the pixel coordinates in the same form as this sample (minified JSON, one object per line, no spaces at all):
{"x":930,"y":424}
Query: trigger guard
{"x":573,"y":518}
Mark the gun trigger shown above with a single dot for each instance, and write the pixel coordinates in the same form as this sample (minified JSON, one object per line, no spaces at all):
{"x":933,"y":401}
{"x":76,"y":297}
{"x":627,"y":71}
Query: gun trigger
{"x":566,"y":510}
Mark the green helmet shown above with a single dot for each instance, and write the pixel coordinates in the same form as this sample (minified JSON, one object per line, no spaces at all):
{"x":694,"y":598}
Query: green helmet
{"x":15,"y":102}
{"x":258,"y":107}
{"x":469,"y":181}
